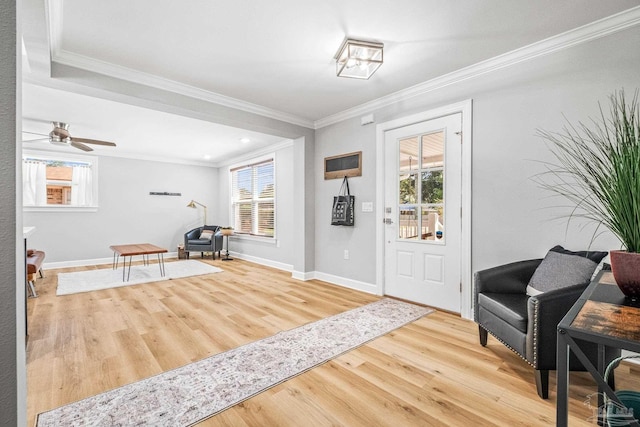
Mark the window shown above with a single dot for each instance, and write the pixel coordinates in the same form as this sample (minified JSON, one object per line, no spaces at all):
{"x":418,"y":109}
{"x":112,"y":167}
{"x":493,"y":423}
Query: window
{"x":253,"y":202}
{"x":421,"y":187}
{"x":59,"y":181}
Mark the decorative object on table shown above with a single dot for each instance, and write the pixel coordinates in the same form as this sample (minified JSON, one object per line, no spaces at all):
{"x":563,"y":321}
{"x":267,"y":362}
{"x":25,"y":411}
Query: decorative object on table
{"x":343,"y":209}
{"x":227,"y":232}
{"x":193,"y":203}
{"x":199,"y":390}
{"x":343,"y":165}
{"x":106,"y":278}
{"x":629,"y":411}
{"x":598,"y":171}
{"x":197,"y":240}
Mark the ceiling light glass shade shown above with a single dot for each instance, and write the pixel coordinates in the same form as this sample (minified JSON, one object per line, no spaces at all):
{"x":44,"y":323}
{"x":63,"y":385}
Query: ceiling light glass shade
{"x":358,"y":59}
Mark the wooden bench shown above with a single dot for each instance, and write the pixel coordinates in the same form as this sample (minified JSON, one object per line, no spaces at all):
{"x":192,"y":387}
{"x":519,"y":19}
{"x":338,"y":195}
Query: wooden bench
{"x":34,"y":266}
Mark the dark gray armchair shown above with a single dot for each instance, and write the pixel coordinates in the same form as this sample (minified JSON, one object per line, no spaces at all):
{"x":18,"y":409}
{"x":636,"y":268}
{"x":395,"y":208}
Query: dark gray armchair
{"x":193,"y":242}
{"x":527,"y":325}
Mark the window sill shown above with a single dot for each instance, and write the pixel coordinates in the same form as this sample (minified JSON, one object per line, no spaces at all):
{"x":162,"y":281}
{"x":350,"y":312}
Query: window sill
{"x":256,"y":239}
{"x":60,"y":209}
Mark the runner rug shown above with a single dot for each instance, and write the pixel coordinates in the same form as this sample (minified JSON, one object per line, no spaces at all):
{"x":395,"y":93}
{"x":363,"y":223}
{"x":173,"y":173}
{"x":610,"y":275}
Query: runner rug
{"x":105,"y":278}
{"x":194,"y":392}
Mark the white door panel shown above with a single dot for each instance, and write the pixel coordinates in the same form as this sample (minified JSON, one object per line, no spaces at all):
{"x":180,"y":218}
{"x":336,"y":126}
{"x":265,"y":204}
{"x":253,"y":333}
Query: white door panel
{"x":422,"y":210}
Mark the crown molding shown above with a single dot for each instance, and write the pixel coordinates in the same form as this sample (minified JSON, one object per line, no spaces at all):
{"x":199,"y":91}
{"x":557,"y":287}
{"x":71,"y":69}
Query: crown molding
{"x":89,"y":64}
{"x":583,"y":34}
{"x":256,"y":153}
{"x":59,"y":55}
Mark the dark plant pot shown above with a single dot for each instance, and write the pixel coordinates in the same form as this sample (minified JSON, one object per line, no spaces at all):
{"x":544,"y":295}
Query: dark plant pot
{"x":626,"y":270}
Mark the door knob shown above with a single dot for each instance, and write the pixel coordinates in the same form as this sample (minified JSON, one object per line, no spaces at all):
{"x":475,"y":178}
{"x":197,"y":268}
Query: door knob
{"x":388,"y":221}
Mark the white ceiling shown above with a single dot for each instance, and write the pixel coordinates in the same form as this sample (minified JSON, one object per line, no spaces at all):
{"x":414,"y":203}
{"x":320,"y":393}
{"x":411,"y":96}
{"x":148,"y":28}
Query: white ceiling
{"x":138,"y":132}
{"x":277,"y":56}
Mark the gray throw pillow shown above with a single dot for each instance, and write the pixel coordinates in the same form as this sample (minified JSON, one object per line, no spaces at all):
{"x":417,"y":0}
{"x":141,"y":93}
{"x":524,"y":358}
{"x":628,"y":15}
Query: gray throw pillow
{"x":561,"y":268}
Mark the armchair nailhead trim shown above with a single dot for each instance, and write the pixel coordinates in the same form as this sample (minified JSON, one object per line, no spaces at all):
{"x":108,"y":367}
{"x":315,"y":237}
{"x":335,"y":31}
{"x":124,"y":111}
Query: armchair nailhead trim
{"x":507,"y":345}
{"x":536,"y":326}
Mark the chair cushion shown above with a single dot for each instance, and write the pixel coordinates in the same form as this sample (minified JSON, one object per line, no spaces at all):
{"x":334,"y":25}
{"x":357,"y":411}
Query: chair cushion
{"x":204,"y":242}
{"x":34,"y":261}
{"x":512,"y":308}
{"x":561,"y":268}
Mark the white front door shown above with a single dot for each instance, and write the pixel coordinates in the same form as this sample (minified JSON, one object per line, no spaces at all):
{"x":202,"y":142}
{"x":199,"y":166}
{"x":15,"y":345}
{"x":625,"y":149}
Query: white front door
{"x":423,"y":186}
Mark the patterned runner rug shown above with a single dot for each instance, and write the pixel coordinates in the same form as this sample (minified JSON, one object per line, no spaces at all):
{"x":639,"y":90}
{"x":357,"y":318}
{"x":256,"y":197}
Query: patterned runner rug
{"x":199,"y":390}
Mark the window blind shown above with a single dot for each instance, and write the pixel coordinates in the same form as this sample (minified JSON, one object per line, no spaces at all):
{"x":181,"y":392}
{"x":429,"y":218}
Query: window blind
{"x":253,"y":198}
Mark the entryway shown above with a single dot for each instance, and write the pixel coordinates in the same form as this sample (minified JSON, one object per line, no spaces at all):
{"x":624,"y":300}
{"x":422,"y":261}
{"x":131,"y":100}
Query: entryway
{"x":425,"y":233}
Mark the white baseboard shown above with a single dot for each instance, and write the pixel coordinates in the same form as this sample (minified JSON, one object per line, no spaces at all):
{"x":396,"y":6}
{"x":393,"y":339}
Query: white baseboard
{"x":299,"y":275}
{"x":262,"y":261}
{"x":86,"y":262}
{"x":369,"y":288}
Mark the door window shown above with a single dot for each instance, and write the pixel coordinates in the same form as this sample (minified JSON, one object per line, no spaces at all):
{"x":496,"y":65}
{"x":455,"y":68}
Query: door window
{"x":421,"y":187}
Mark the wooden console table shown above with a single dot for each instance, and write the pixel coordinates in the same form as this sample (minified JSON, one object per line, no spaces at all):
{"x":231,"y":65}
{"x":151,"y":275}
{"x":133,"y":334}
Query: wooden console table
{"x":602,"y":316}
{"x":144,"y":249}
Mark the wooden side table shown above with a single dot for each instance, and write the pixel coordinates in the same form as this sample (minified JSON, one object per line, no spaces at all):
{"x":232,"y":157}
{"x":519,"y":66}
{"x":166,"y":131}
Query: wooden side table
{"x":602,"y":315}
{"x":226,"y":233}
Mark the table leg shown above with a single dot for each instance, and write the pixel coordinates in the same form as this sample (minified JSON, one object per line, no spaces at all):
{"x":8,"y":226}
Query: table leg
{"x":562,"y":380}
{"x":161,"y":264}
{"x":601,"y":368}
{"x":129,"y":272}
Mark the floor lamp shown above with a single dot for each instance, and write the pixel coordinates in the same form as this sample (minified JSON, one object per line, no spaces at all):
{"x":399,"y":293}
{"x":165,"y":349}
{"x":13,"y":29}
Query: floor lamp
{"x":193,"y":203}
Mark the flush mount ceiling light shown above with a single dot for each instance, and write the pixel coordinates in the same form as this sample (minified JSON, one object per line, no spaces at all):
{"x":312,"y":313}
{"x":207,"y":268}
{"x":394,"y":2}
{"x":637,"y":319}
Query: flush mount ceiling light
{"x":358,"y":59}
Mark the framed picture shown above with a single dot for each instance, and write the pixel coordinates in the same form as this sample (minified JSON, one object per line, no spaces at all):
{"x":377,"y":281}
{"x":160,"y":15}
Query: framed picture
{"x":349,"y":165}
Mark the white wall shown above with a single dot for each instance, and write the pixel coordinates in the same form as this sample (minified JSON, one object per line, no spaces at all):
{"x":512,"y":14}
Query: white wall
{"x":279,"y":252}
{"x":127,"y":213}
{"x":512,"y":218}
{"x":359,"y":240}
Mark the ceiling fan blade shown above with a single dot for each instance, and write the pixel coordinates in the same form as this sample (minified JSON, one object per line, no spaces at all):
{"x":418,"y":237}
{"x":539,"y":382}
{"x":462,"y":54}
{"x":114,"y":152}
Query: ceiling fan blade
{"x":35,"y":133}
{"x":81,"y":146}
{"x":36,"y":140}
{"x":93,"y":141}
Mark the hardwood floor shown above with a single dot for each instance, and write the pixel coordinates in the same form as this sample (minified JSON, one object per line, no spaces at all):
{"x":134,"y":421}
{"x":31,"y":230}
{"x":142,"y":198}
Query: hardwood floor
{"x":430,"y":372}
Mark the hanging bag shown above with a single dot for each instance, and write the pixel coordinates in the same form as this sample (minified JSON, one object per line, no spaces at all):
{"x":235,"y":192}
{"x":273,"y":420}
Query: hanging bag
{"x":343,"y":206}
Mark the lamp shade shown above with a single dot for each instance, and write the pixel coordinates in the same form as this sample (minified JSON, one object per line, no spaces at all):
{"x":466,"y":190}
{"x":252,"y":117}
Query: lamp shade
{"x":358,"y":59}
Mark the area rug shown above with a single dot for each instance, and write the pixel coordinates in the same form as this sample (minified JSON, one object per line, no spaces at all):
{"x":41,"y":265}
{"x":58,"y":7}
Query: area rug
{"x":199,"y":390}
{"x":105,"y":278}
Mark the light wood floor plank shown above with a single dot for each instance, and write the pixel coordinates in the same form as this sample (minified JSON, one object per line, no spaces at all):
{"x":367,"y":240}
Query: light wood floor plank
{"x":431,"y":372}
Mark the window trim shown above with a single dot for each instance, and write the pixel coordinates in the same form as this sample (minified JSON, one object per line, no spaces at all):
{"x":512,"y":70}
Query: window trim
{"x":249,"y":163}
{"x":71,"y":157}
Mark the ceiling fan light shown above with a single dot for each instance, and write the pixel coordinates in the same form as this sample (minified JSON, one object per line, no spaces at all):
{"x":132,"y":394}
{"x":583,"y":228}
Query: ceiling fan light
{"x":358,"y":59}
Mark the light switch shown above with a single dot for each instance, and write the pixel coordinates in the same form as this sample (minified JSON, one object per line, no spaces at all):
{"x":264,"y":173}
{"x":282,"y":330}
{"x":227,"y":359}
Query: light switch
{"x":367,"y":206}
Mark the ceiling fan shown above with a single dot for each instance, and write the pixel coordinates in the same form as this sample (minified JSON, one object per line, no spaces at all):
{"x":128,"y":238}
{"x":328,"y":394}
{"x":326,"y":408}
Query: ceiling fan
{"x":60,"y":136}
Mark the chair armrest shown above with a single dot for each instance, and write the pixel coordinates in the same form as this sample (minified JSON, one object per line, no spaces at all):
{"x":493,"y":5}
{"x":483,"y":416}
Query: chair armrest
{"x":507,"y":279}
{"x":218,"y":241}
{"x":193,"y":234}
{"x":545,"y":311}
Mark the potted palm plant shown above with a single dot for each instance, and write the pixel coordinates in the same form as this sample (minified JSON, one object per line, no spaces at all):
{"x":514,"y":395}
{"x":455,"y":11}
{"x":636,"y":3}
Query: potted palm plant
{"x":598,"y":170}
